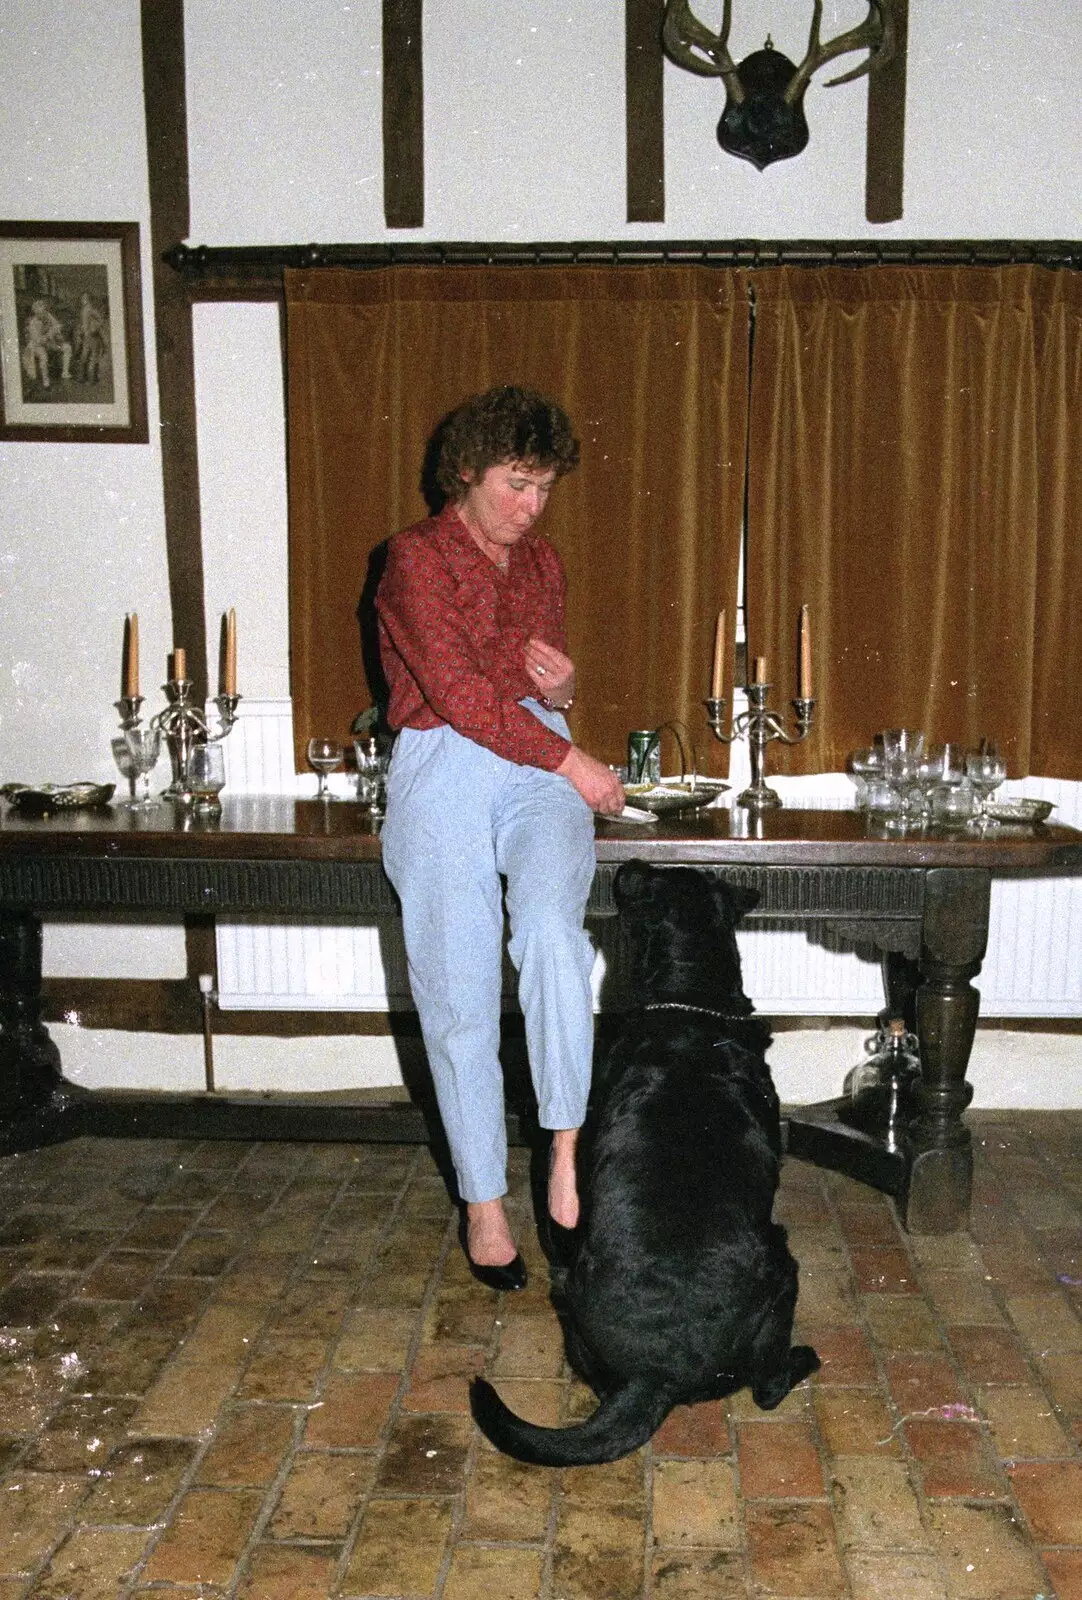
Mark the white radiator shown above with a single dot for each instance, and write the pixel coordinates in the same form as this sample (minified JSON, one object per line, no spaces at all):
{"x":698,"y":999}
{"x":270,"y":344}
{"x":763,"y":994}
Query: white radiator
{"x":1032,"y":969}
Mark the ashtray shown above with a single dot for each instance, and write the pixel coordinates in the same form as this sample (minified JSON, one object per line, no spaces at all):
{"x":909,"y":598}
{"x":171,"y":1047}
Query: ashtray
{"x":665,"y":798}
{"x":48,"y":797}
{"x":1023,"y":811}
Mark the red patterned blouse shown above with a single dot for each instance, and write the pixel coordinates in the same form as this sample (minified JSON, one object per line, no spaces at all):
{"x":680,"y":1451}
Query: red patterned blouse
{"x":453,"y":629}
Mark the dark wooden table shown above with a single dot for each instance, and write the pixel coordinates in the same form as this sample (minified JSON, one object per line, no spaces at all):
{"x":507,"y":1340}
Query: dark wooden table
{"x":921,"y":899}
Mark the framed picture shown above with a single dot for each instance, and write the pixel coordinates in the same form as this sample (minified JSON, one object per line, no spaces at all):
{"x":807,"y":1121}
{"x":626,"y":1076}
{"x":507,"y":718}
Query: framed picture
{"x":71,"y":332}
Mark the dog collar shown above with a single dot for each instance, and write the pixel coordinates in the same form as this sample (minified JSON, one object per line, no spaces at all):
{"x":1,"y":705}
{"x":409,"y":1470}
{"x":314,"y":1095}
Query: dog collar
{"x":703,"y":1011}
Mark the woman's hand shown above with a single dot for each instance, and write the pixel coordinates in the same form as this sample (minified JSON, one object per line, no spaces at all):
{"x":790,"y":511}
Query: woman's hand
{"x":598,"y":784}
{"x":551,"y":672}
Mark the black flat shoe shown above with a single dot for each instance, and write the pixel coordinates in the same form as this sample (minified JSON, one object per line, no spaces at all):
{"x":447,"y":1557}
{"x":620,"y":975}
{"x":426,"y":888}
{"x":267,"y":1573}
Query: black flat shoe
{"x":506,"y":1278}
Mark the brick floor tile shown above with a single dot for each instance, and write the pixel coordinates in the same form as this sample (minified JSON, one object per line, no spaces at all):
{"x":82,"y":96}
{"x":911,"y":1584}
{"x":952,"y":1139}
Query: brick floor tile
{"x":695,"y":1504}
{"x":793,"y":1551}
{"x":352,"y":1412}
{"x":855,"y":1422}
{"x":35,"y":1509}
{"x":129,"y":1363}
{"x":985,"y":1553}
{"x":224,"y":1333}
{"x":90,"y":1564}
{"x":461,"y":1316}
{"x":870,"y":1224}
{"x":844,"y":1353}
{"x":598,"y":1553}
{"x":698,"y":1575}
{"x":440,"y":1378}
{"x":875,"y":1576}
{"x":530,"y":1347}
{"x":613,"y":1483}
{"x":375,"y":1339}
{"x":990,"y":1354}
{"x":1050,"y":1495}
{"x":283,"y":1368}
{"x":184,"y":1401}
{"x":778,"y":1461}
{"x":1023,"y":1424}
{"x":796,"y":1405}
{"x":540,"y":1400}
{"x":827,"y":1295}
{"x":321,"y":1495}
{"x":425,"y":1455}
{"x":480,"y":1573}
{"x":506,"y":1500}
{"x":81,"y":1434}
{"x":884,"y":1271}
{"x":1061,"y":1373}
{"x":901,"y":1324}
{"x":960,"y":1297}
{"x":277,"y":1572}
{"x":699,"y":1430}
{"x":876,"y":1505}
{"x":399,"y":1549}
{"x":248,"y":1446}
{"x":954,"y":1459}
{"x":1046,"y":1322}
{"x":140,"y":1480}
{"x":1064,"y":1568}
{"x":204,"y":1540}
{"x":921,"y":1383}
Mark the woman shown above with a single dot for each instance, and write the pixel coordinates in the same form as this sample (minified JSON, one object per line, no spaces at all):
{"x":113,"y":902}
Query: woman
{"x":485,"y":782}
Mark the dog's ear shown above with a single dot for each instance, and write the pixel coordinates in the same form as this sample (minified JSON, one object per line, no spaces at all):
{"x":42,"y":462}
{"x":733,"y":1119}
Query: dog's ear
{"x":736,"y":899}
{"x":633,"y":884}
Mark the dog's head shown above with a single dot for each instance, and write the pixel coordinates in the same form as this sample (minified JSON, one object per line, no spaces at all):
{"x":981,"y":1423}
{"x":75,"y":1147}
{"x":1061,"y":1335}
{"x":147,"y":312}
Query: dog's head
{"x":681,"y":924}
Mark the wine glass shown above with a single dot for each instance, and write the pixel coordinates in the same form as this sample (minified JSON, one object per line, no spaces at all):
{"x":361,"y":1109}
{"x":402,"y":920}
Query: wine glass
{"x":324,"y":757}
{"x":205,"y":776}
{"x":143,"y":745}
{"x":902,"y":750}
{"x":986,"y":770}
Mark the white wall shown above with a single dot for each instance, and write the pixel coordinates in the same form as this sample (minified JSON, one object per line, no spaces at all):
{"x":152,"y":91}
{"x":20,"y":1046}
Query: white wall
{"x":524,"y":135}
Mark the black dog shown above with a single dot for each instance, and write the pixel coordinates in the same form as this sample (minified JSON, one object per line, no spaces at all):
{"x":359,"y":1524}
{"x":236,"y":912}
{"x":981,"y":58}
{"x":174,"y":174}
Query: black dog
{"x":679,"y":1286}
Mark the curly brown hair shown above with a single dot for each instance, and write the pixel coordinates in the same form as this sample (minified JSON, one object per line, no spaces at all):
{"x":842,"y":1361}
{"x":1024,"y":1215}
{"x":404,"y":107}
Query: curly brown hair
{"x":504,"y":424}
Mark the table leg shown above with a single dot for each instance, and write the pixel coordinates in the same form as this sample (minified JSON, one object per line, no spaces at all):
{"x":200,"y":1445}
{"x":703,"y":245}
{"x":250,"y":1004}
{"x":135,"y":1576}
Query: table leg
{"x":953,"y":941}
{"x":30,"y":1078}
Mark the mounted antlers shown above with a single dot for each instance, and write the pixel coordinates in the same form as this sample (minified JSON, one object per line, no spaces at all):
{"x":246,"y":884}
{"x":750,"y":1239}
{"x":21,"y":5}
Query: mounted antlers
{"x":763,"y":119}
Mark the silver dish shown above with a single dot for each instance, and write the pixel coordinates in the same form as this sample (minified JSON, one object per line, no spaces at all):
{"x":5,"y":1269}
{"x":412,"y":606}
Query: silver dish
{"x":1024,"y":811}
{"x":664,"y":799}
{"x":48,"y":797}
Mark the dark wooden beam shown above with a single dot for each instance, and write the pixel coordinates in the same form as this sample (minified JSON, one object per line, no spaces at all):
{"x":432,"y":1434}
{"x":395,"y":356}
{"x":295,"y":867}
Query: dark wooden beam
{"x":885,"y":155}
{"x":165,"y":105}
{"x":403,"y":115}
{"x":644,"y":72}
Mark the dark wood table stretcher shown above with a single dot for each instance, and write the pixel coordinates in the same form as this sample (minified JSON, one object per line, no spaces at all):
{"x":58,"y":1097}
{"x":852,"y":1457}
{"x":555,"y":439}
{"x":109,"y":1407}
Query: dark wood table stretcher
{"x":921,"y":899}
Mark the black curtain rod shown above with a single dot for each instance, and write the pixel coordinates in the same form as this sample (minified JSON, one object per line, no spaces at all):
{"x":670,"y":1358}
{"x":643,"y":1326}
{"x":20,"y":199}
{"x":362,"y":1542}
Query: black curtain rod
{"x":208,"y":264}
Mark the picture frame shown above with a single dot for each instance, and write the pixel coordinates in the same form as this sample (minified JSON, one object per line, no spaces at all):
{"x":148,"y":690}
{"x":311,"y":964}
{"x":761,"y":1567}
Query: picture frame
{"x":72,"y":365}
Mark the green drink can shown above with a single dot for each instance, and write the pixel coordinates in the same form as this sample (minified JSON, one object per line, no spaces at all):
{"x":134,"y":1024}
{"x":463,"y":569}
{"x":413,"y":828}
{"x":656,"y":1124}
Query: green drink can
{"x":644,"y":756}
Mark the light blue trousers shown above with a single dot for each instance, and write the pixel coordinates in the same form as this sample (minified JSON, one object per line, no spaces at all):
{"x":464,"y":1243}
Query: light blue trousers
{"x":459,"y":817}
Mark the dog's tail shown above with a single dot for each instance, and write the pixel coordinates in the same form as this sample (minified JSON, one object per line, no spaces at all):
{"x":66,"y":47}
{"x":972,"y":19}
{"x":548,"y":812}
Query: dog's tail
{"x":623,"y":1421}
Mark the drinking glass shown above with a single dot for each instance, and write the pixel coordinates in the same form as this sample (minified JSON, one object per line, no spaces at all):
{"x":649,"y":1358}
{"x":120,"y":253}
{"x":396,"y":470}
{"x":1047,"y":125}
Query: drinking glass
{"x":205,"y":777}
{"x":952,"y":797}
{"x":324,"y":756}
{"x":143,"y":745}
{"x":902,"y":750}
{"x":986,"y":770}
{"x":865,"y":766}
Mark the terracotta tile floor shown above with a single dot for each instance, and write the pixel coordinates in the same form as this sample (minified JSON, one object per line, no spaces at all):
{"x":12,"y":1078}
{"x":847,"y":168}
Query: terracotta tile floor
{"x":241,"y":1370}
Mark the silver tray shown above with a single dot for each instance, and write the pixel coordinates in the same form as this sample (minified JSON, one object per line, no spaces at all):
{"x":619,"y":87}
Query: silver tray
{"x":1024,"y":811}
{"x":663,"y":799}
{"x":48,"y":797}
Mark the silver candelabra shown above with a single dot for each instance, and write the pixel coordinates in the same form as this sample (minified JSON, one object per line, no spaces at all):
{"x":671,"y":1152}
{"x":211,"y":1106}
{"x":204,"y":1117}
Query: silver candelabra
{"x":761,"y":725}
{"x":182,"y":725}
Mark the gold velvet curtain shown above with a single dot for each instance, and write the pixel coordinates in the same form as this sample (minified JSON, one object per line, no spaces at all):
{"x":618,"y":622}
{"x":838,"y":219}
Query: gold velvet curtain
{"x":914,"y":478}
{"x":651,"y":365}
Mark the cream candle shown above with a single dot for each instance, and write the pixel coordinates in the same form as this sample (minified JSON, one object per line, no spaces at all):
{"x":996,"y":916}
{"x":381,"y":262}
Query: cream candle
{"x":804,"y":685}
{"x":717,"y":682}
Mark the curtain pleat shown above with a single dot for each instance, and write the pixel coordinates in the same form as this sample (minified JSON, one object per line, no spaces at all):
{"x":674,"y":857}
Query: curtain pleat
{"x":650,"y":364}
{"x":913,"y":479}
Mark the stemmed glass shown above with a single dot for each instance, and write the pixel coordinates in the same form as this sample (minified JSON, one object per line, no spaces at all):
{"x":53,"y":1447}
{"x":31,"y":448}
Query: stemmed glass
{"x":986,"y":770}
{"x":143,"y":744}
{"x":902,"y":751}
{"x":324,"y":757}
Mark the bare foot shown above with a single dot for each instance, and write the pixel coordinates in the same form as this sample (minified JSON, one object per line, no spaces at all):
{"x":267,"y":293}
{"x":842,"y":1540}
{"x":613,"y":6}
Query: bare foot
{"x":563,"y":1187}
{"x":488,"y":1236}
